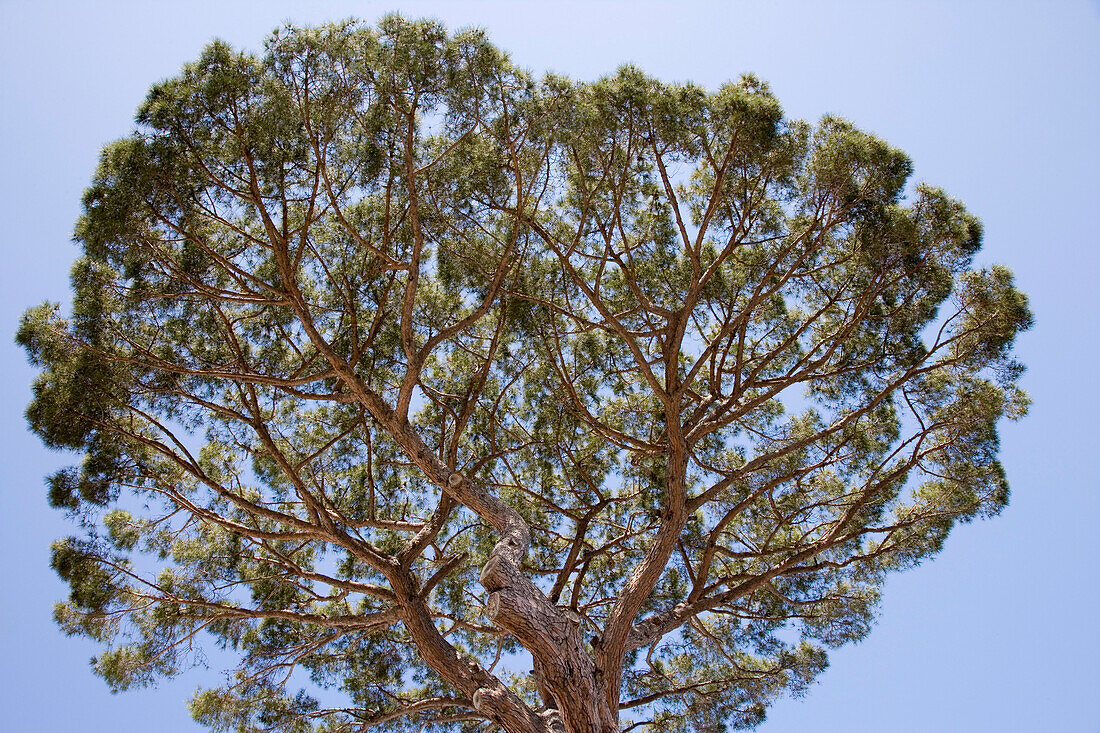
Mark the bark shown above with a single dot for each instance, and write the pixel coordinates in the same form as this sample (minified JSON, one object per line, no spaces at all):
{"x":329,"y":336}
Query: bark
{"x":488,"y":695}
{"x":566,"y":674}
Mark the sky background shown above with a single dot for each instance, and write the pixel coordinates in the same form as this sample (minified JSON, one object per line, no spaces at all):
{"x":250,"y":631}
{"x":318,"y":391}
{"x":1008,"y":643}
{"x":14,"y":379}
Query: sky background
{"x":997,"y":102}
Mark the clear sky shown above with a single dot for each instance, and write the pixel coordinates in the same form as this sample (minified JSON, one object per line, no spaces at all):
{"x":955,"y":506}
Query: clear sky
{"x":998,"y":102}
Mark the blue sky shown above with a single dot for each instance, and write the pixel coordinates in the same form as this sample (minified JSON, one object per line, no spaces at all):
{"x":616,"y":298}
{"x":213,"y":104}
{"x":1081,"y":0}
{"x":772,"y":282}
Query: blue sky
{"x":996,"y":102}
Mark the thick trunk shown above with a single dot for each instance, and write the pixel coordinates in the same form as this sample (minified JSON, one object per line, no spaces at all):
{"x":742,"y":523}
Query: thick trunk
{"x":490,"y":697}
{"x":564,"y":670}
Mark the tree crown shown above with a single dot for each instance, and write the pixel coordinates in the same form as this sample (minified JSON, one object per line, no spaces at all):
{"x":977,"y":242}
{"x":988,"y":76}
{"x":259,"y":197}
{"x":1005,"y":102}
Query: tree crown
{"x":389,"y":362}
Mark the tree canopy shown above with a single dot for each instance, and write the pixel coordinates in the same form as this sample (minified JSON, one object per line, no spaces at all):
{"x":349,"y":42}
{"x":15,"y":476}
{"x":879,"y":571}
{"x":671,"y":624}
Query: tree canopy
{"x":446,"y":398}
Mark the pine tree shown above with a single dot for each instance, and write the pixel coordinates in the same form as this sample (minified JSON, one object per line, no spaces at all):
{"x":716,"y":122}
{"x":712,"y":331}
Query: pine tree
{"x":479,"y":398}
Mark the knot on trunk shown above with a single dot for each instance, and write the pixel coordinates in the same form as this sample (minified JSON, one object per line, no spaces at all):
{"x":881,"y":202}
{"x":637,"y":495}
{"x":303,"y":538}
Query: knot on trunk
{"x":553,"y":721}
{"x":496,"y":574}
{"x":487,"y":699}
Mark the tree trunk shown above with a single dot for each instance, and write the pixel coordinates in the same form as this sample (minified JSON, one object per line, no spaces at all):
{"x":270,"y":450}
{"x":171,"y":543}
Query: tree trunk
{"x":564,"y":671}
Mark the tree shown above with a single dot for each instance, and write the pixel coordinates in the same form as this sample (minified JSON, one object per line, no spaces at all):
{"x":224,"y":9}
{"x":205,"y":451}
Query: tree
{"x":444,"y":397}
